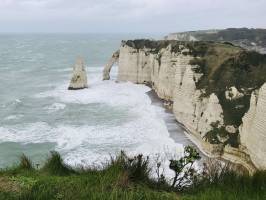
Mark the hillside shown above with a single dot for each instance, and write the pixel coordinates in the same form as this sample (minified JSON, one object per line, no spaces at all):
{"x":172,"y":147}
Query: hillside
{"x":251,"y":39}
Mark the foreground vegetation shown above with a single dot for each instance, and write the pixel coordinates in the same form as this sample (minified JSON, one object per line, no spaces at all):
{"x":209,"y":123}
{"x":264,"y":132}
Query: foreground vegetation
{"x":128,"y":178}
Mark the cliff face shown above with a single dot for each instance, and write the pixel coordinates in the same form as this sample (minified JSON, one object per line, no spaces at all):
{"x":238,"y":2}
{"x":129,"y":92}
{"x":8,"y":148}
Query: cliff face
{"x":253,"y":129}
{"x":210,"y":85}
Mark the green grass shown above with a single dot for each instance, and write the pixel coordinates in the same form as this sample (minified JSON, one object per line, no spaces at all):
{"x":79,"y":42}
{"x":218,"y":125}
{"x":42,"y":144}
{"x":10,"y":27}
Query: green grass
{"x":231,"y":187}
{"x":55,"y":165}
{"x":25,"y":163}
{"x":123,"y":178}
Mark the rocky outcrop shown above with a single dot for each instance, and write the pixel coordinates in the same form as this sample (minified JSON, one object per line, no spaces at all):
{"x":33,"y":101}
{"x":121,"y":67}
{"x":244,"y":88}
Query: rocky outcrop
{"x":109,"y":65}
{"x":253,"y":129}
{"x":79,"y":76}
{"x":232,"y":93}
{"x":134,"y":64}
{"x":195,"y":76}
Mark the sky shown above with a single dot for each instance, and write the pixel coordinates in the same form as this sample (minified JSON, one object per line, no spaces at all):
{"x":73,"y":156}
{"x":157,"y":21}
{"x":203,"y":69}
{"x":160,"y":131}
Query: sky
{"x":129,"y":16}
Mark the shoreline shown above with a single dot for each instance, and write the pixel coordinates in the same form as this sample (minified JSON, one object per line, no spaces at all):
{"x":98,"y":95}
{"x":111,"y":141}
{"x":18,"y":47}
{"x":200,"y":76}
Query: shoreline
{"x":182,"y":135}
{"x":176,"y":130}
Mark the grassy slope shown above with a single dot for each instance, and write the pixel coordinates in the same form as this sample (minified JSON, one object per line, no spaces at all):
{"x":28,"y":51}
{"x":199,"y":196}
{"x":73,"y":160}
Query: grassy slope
{"x":57,"y":181}
{"x":235,"y":34}
{"x":107,"y":184}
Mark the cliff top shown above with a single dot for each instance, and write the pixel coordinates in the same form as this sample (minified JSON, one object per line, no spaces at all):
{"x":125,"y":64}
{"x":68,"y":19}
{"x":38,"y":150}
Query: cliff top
{"x":196,"y":47}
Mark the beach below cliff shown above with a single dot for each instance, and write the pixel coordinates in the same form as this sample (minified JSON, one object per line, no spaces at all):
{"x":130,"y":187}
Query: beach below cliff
{"x":176,"y":131}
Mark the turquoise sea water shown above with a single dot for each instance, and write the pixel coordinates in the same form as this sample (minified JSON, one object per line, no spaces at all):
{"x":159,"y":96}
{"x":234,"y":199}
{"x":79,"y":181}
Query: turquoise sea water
{"x":38,"y":114}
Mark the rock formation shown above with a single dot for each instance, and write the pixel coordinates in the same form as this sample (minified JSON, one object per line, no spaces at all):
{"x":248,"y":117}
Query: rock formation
{"x":79,"y":76}
{"x":196,"y":76}
{"x":232,"y":93}
{"x":253,"y":129}
{"x":109,"y":65}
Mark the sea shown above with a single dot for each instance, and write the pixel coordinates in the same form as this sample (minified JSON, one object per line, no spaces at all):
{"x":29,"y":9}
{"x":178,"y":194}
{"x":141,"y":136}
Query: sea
{"x":87,"y":127}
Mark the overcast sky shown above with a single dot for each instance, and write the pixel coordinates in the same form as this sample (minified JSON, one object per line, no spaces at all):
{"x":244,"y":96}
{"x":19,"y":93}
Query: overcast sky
{"x":148,"y":16}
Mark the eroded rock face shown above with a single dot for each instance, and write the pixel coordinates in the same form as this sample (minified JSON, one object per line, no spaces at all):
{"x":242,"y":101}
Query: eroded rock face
{"x":172,"y":77}
{"x":134,"y":65}
{"x":195,"y":112}
{"x":231,"y":129}
{"x":109,"y":65}
{"x":232,"y":93}
{"x":170,"y":72}
{"x":253,"y":129}
{"x":79,"y":76}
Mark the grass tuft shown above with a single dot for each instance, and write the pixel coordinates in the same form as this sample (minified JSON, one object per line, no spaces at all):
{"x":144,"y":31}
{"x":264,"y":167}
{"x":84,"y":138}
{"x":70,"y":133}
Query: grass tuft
{"x":56,"y":166}
{"x":137,"y":167}
{"x":25,"y":163}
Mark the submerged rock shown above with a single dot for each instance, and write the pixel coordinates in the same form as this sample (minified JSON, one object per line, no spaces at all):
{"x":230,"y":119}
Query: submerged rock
{"x":79,"y":77}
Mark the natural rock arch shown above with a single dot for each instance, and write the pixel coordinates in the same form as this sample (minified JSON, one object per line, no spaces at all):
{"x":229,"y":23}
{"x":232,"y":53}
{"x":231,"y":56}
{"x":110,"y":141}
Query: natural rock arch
{"x":107,"y":69}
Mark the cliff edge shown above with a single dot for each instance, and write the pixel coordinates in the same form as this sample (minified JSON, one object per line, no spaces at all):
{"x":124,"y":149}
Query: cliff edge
{"x":216,"y":90}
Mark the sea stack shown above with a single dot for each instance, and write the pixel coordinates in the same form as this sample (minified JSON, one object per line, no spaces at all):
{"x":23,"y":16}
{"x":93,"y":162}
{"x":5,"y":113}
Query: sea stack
{"x":79,"y":77}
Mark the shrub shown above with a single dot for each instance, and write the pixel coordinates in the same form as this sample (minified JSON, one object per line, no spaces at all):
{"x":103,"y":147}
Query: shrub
{"x":136,"y":167}
{"x":214,"y":171}
{"x":183,"y":168}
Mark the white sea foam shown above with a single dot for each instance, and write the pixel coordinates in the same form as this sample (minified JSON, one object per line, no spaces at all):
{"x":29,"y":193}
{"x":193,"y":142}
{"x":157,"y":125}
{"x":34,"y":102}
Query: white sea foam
{"x":55,"y":107}
{"x":88,"y":145}
{"x":18,"y":100}
{"x":12,"y":117}
{"x":146,"y":133}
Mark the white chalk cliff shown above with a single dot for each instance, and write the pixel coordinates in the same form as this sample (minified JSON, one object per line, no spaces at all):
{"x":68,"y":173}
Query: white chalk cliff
{"x":108,"y":66}
{"x":171,"y":75}
{"x":172,"y":79}
{"x":253,"y":129}
{"x":79,"y":76}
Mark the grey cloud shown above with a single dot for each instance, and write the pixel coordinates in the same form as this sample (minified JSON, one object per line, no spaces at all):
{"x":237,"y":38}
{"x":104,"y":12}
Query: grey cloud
{"x":128,"y":15}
